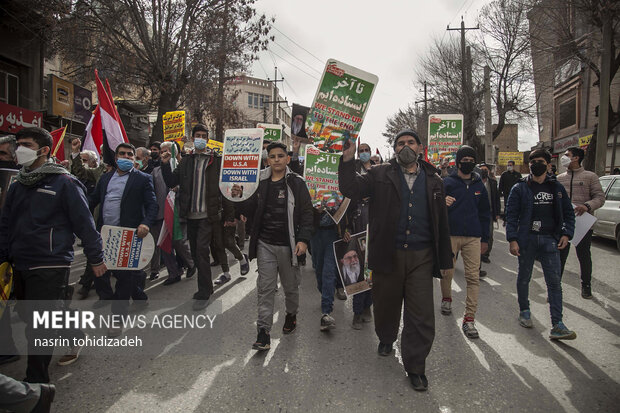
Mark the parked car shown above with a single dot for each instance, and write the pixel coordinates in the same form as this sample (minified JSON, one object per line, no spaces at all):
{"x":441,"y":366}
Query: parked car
{"x":607,"y":224}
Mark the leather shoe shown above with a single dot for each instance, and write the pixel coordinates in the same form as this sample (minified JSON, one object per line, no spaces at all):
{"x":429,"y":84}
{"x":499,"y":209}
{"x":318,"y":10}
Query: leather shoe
{"x":191,"y":272}
{"x":384,"y":349}
{"x":48,"y":391}
{"x":418,"y":381}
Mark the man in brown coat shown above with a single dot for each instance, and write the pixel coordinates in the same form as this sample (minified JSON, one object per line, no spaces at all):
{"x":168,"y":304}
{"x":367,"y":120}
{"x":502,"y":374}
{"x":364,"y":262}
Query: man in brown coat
{"x":586,"y":194}
{"x":409,"y":243}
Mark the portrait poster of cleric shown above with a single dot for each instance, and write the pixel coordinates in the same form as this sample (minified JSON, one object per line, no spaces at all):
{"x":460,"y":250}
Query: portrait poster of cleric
{"x":351,"y":263}
{"x":298,"y":122}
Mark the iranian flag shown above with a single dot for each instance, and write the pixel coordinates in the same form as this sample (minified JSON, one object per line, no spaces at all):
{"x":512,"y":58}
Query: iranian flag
{"x":58,"y":137}
{"x":93,"y":135}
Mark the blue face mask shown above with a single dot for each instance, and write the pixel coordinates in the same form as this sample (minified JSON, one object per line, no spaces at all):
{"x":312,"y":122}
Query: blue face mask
{"x":200,"y":143}
{"x":365,"y":156}
{"x":124,"y":164}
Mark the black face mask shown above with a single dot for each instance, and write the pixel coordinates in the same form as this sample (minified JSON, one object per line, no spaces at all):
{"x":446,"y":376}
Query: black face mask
{"x":8,"y":165}
{"x":154,"y":155}
{"x":538,"y":168}
{"x":467,"y":167}
{"x":484,"y":174}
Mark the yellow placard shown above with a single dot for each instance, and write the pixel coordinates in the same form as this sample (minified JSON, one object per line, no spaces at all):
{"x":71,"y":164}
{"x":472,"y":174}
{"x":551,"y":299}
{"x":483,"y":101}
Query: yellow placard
{"x":6,"y":282}
{"x":504,"y":157}
{"x":585,"y":140}
{"x":217,"y":146}
{"x":174,"y":125}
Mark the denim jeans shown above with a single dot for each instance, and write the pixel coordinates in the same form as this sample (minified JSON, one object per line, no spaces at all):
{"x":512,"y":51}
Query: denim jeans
{"x":545,"y":249}
{"x":362,"y":301}
{"x":324,"y":264}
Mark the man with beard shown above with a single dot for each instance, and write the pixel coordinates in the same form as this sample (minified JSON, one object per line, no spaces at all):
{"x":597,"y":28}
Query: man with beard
{"x":350,"y":267}
{"x":409,"y":243}
{"x":7,"y":152}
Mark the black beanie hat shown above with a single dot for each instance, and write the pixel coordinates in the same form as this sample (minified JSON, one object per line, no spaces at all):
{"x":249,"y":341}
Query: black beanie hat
{"x":407,"y":132}
{"x":464,"y":151}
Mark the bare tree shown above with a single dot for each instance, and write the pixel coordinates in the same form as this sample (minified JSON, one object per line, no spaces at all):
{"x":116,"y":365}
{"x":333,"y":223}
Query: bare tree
{"x":407,"y":118}
{"x":147,"y":47}
{"x":572,"y":31}
{"x":504,"y":45}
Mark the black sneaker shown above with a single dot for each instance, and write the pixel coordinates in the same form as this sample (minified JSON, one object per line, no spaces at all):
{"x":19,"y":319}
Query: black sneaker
{"x":418,"y":381}
{"x":263,"y":341}
{"x":483,"y":273}
{"x":290,"y":323}
{"x":485,"y":258}
{"x":83,"y":293}
{"x":245,"y":268}
{"x":153,"y":277}
{"x":586,"y":292}
{"x":191,"y":272}
{"x":384,"y":349}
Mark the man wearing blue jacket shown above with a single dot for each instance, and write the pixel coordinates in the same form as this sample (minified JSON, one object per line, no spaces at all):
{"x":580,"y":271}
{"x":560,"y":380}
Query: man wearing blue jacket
{"x":539,"y":223}
{"x":127,"y":199}
{"x":42,"y":212}
{"x":469,"y":217}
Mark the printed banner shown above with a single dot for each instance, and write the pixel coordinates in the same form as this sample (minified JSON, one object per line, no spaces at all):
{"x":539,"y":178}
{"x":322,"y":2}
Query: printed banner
{"x":352,"y":266}
{"x":124,"y":250}
{"x":272,"y":133}
{"x":321,"y":175}
{"x":241,"y":163}
{"x":6,"y":284}
{"x":445,"y":136}
{"x":174,"y":125}
{"x":339,"y":105}
{"x":504,"y":157}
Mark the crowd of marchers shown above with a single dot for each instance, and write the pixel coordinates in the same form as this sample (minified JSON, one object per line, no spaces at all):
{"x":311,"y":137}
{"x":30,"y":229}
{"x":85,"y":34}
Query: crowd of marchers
{"x":419,"y":219}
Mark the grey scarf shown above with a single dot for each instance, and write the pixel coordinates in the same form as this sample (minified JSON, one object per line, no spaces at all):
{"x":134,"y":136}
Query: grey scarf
{"x":31,"y":178}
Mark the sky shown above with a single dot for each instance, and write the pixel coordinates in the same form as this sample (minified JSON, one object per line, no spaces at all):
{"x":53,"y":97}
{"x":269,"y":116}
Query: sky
{"x":385,"y":38}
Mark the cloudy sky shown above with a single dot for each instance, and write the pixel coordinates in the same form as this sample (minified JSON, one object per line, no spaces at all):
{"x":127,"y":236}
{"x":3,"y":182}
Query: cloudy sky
{"x":385,"y":38}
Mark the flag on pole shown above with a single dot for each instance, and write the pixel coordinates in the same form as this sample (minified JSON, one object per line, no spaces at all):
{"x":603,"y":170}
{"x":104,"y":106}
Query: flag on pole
{"x":58,"y":137}
{"x":110,"y":126}
{"x":93,"y":135}
{"x":116,"y":115}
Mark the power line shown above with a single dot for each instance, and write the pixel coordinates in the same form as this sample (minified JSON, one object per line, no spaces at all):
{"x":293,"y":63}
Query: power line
{"x":286,"y":50}
{"x":262,"y":67}
{"x":292,"y":64}
{"x":300,"y":46}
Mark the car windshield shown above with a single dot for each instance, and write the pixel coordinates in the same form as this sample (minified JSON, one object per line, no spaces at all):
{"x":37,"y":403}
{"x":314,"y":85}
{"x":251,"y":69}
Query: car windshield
{"x":605,"y":181}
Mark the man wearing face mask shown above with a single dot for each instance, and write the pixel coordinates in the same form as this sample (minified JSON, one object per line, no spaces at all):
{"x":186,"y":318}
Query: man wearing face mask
{"x":469,"y":213}
{"x":142,"y":160}
{"x":127,"y":199}
{"x":506,"y":181}
{"x":409,"y":243}
{"x":7,"y":152}
{"x":44,"y":208}
{"x":155,"y":148}
{"x":586,"y":193}
{"x":539,"y":223}
{"x":201,"y":203}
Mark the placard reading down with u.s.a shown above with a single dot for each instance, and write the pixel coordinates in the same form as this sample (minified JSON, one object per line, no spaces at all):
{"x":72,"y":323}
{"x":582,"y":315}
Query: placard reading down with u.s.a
{"x":241,"y":163}
{"x":124,"y":250}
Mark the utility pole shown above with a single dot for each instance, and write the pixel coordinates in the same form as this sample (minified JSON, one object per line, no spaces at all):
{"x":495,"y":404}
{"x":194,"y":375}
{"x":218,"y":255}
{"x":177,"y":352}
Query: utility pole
{"x":425,"y":100}
{"x":469,"y":127}
{"x":274,"y":99}
{"x":489,"y":153}
{"x":603,"y":108}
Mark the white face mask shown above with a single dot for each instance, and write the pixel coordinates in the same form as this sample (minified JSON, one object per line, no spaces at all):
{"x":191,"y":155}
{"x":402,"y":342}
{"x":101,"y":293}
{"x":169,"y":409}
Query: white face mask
{"x":509,"y":168}
{"x":26,"y":156}
{"x":565,"y":161}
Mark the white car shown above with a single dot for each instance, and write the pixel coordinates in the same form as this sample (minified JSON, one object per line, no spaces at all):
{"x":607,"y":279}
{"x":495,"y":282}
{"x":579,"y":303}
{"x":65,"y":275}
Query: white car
{"x":607,"y":224}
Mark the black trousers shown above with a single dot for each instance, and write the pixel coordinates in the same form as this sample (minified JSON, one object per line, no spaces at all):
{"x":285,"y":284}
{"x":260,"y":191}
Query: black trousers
{"x":584,"y":256}
{"x":199,"y":233}
{"x":129,"y":284}
{"x":42,"y":290}
{"x":412,"y":281}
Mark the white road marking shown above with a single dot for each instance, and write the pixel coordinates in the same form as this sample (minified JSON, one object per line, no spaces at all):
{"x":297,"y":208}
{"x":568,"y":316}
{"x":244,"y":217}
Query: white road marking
{"x":272,"y":351}
{"x":138,"y":400}
{"x":66,"y":376}
{"x":490,"y":281}
{"x":286,"y":370}
{"x":170,"y":346}
{"x":156,"y":284}
{"x":508,"y":270}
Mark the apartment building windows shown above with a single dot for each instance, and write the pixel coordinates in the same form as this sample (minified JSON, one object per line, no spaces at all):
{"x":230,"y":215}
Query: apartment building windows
{"x":567,"y":109}
{"x":9,"y":88}
{"x":256,"y":100}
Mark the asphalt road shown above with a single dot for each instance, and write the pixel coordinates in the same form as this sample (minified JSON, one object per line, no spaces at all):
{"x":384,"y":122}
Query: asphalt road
{"x":508,"y":368}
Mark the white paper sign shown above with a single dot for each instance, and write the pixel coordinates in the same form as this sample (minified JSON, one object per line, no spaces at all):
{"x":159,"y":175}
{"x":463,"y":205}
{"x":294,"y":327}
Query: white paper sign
{"x":583,"y":223}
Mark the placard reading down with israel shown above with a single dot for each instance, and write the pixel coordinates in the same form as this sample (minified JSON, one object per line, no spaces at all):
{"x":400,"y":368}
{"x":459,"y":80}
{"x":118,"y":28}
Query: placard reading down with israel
{"x":241,"y":163}
{"x":124,"y":250}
